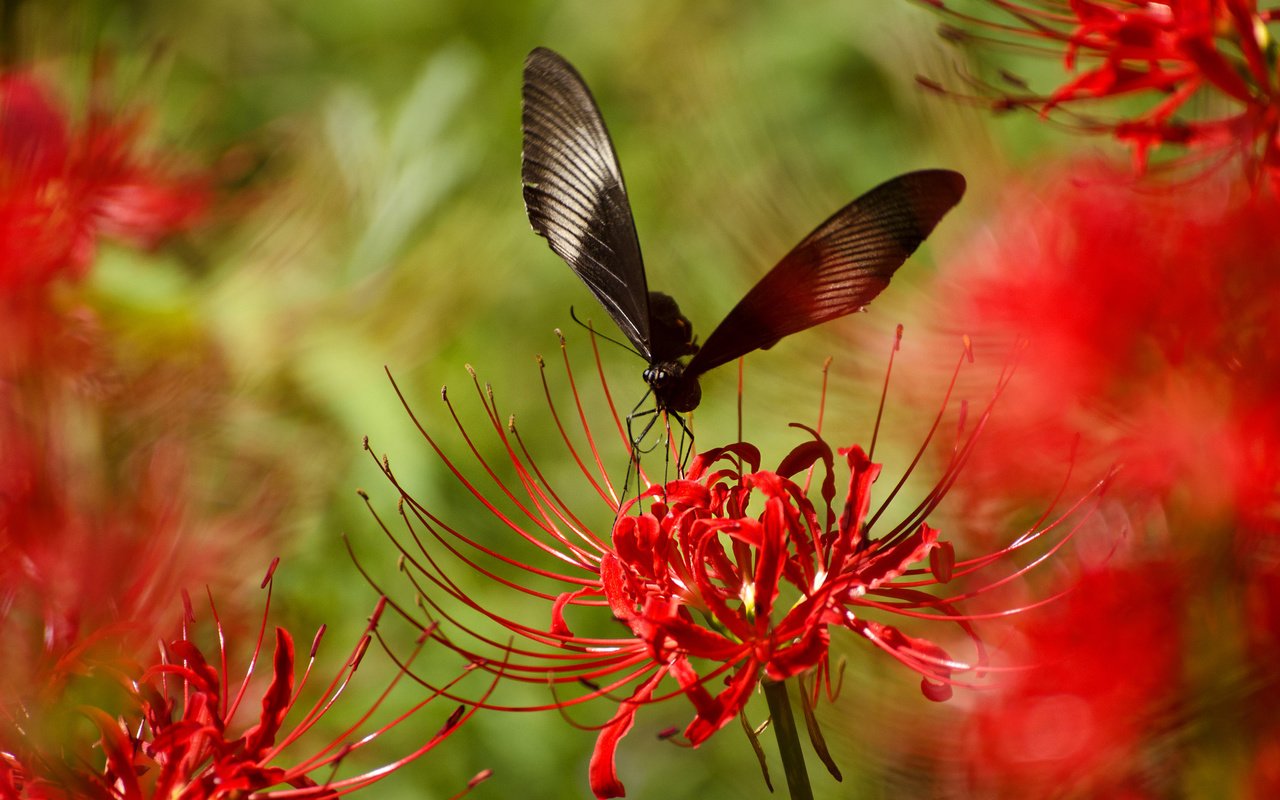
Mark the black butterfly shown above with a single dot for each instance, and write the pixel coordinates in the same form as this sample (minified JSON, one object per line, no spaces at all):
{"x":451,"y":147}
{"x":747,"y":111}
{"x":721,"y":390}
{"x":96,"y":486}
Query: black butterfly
{"x":576,"y":199}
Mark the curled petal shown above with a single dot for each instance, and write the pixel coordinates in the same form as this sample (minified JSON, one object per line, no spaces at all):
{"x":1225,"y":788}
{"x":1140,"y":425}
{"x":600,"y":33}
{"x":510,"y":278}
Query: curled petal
{"x":602,"y":770}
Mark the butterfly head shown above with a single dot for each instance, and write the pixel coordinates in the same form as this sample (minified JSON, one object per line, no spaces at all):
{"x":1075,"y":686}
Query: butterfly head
{"x":673,"y":388}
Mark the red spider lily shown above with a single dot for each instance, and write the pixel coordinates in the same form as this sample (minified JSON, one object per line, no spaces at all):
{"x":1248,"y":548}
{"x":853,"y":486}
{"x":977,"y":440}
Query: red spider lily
{"x":1151,"y":325}
{"x":172,"y":734}
{"x":94,"y":537}
{"x":1152,"y":329}
{"x":1069,"y":722}
{"x":727,"y":576}
{"x":60,"y":189}
{"x":80,"y":568}
{"x":1208,"y":66}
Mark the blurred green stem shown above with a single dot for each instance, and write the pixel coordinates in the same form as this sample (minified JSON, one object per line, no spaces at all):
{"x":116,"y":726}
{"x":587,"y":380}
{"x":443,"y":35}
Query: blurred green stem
{"x":784,"y":728}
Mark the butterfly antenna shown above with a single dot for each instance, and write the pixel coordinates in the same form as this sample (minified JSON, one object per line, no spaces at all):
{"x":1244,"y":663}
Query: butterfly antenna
{"x":573,"y":315}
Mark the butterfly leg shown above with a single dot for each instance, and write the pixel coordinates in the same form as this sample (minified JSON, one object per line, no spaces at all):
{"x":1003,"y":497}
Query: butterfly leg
{"x":636,"y":449}
{"x":634,"y":440}
{"x":685,"y":448}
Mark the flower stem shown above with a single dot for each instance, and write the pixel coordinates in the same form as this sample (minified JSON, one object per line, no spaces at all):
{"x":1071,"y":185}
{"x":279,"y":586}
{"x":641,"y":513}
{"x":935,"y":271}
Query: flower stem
{"x":784,"y":728}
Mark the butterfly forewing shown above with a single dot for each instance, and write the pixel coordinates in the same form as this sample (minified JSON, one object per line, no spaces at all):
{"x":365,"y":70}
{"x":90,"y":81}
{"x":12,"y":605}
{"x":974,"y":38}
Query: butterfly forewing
{"x":574,"y":193}
{"x":838,"y":268}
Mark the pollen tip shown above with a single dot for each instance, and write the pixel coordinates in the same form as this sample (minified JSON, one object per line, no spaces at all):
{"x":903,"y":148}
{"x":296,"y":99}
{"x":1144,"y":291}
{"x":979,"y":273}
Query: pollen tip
{"x":271,"y":571}
{"x":444,"y":393}
{"x":511,"y":423}
{"x":470,"y":370}
{"x":968,"y":347}
{"x":365,"y":441}
{"x":541,"y":364}
{"x":930,"y":84}
{"x":1016,"y":81}
{"x":560,"y":336}
{"x":1108,"y":479}
{"x":315,"y":640}
{"x":949,"y":33}
{"x":361,"y":649}
{"x":452,"y":721}
{"x":362,"y":494}
{"x":480,"y":777}
{"x":897,"y":337}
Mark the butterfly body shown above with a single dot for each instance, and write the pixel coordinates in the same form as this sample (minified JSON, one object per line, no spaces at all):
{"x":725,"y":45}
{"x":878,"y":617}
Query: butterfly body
{"x":576,"y":199}
{"x":671,"y":339}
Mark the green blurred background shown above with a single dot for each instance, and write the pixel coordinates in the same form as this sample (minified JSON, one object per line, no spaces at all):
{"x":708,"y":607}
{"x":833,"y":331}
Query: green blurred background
{"x":369,"y":216}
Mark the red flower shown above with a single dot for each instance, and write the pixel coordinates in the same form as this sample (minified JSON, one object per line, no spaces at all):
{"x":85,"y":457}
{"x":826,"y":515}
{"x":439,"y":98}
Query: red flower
{"x":172,"y":735}
{"x":84,"y":568}
{"x":1100,"y":680}
{"x":725,"y":577}
{"x":738,"y":569}
{"x":60,"y":189}
{"x":1151,"y":334}
{"x":1151,"y":329}
{"x":1204,"y":63}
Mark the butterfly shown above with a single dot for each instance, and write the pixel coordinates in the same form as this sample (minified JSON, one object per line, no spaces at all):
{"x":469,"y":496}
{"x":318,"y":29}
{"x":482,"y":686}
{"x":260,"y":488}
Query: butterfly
{"x":575,"y":198}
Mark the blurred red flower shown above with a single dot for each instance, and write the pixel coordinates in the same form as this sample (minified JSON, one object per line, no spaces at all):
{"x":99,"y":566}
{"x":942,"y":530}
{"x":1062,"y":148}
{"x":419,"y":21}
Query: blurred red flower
{"x":1099,"y":685}
{"x":62,"y":188}
{"x":92,"y":554}
{"x":725,"y":577}
{"x":167,"y":731}
{"x":1206,"y":65}
{"x":1152,"y":343}
{"x":1151,"y":332}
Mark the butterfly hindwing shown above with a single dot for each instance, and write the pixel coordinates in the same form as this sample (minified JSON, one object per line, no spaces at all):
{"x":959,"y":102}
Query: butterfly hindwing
{"x":837,"y":269}
{"x":574,"y":193}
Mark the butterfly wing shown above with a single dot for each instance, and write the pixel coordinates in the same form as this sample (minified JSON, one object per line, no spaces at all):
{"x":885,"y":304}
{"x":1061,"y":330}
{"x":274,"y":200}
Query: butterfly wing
{"x":574,"y":193}
{"x":838,"y":268}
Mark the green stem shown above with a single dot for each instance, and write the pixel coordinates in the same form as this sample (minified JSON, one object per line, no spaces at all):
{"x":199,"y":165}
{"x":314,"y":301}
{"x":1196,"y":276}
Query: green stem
{"x":784,"y":728}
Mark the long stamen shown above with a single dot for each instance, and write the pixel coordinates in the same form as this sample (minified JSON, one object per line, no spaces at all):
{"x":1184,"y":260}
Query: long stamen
{"x":884,"y":393}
